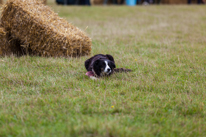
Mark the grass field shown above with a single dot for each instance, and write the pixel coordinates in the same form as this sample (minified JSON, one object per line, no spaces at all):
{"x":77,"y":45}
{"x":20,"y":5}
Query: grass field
{"x":165,"y":95}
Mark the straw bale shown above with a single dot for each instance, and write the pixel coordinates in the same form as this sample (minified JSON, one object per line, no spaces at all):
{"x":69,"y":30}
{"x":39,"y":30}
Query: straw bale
{"x":2,"y":32}
{"x":2,"y":40}
{"x":4,"y":44}
{"x":43,"y":1}
{"x":37,"y":29}
{"x":8,"y":45}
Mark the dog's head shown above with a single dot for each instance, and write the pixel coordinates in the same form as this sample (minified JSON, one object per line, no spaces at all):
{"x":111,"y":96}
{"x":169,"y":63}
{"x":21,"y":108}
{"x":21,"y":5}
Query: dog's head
{"x":100,"y":65}
{"x":103,"y":67}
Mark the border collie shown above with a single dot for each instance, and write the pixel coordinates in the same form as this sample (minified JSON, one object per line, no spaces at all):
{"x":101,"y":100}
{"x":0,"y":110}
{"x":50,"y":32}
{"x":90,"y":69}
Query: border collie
{"x":101,"y":65}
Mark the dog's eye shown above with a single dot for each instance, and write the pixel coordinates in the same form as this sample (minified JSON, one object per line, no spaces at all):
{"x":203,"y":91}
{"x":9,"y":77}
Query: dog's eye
{"x":102,"y":69}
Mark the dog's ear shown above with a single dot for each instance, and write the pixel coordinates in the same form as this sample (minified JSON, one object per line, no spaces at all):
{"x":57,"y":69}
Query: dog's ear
{"x":110,"y":57}
{"x":86,"y":64}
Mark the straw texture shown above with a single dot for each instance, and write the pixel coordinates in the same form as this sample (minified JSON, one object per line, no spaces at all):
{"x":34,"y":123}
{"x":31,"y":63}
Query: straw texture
{"x":2,"y":40}
{"x":44,"y":1}
{"x":37,"y":30}
{"x":10,"y":46}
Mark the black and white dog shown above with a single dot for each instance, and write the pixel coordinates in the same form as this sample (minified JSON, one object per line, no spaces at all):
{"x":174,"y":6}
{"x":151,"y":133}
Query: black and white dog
{"x":101,"y":65}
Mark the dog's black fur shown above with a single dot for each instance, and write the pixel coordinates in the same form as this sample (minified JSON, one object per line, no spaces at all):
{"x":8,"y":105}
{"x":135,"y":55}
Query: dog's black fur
{"x":100,"y":65}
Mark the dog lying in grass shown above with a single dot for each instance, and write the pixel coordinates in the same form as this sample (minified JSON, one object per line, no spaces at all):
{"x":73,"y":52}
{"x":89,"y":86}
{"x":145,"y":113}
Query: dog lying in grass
{"x":102,"y":65}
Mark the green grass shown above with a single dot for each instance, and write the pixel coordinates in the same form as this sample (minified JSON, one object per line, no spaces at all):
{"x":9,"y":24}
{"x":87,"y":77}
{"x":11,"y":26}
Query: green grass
{"x":163,"y":96}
